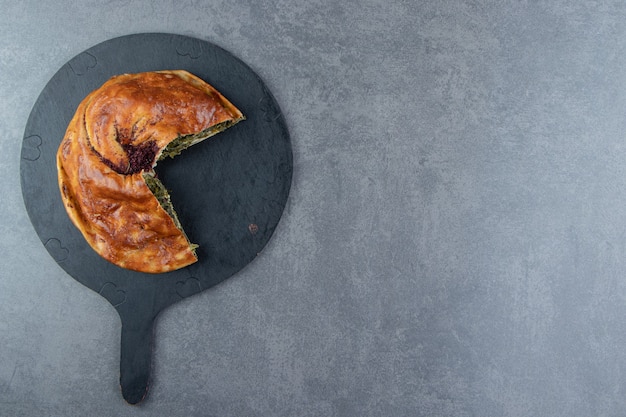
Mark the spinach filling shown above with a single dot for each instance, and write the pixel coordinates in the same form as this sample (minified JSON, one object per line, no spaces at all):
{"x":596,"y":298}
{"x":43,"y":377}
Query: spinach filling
{"x":160,"y":192}
{"x":174,"y":148}
{"x":181,"y":143}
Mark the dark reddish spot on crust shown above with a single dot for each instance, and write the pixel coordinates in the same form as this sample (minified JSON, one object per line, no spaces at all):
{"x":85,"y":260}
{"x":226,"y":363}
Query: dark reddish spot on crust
{"x":140,"y":157}
{"x":253,"y":228}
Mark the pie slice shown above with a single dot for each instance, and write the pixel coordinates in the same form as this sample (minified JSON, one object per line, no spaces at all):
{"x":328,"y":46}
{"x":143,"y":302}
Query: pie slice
{"x":106,"y":164}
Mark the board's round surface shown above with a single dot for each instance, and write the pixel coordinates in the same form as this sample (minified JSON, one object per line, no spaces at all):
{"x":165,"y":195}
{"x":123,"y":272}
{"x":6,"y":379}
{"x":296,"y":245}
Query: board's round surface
{"x":229,"y":191}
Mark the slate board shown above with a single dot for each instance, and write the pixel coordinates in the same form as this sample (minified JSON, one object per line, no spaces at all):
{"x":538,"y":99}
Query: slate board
{"x":229,"y":191}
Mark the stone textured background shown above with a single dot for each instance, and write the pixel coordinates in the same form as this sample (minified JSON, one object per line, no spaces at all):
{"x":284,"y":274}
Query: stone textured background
{"x":455,"y":239}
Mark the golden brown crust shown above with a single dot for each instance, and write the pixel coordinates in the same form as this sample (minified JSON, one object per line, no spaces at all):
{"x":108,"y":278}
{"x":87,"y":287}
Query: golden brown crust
{"x":116,"y":134}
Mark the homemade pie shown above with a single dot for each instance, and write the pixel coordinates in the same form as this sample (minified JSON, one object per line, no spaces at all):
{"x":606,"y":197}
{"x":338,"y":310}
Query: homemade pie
{"x":106,"y":164}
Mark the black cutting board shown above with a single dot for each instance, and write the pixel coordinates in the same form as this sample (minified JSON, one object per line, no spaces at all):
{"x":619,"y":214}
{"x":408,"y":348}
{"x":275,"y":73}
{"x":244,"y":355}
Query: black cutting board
{"x":229,"y":191}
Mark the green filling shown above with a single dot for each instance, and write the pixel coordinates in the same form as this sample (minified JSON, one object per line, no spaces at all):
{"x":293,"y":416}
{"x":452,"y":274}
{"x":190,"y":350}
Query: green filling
{"x":181,"y":143}
{"x":160,"y":192}
{"x":174,"y":148}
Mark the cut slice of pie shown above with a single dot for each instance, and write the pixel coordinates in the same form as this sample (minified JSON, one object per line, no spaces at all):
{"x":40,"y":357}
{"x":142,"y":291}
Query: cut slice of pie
{"x":106,"y":164}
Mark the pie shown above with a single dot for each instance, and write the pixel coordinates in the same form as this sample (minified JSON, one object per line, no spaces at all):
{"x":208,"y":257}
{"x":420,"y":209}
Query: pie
{"x":106,"y":161}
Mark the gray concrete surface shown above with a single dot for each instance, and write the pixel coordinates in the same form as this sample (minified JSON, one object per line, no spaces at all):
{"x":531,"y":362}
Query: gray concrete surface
{"x":455,"y":239}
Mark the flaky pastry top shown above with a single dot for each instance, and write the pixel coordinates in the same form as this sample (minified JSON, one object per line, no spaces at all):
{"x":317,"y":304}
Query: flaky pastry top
{"x":115,"y":137}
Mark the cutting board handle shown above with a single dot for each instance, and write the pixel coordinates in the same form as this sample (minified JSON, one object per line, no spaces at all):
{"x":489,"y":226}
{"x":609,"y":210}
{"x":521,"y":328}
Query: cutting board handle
{"x":136,"y":358}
